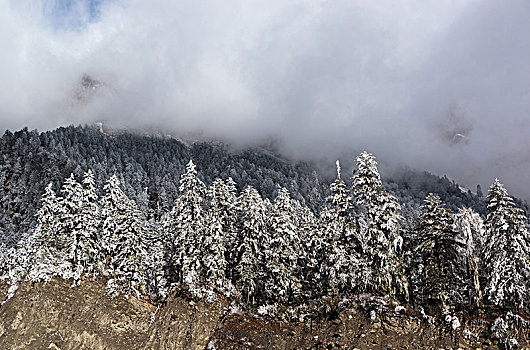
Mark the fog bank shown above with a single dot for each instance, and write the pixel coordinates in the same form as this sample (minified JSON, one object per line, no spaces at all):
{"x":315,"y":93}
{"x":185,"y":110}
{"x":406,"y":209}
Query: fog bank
{"x":442,"y":86}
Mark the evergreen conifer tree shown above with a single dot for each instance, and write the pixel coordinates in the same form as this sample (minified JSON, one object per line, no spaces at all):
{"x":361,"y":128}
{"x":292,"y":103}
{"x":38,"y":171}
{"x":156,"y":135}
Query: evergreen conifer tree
{"x":251,"y":225}
{"x":228,"y":208}
{"x":282,"y":249}
{"x":45,"y":234}
{"x":439,"y":280}
{"x":342,"y":265}
{"x":469,"y":227}
{"x":219,"y":228}
{"x":506,"y":251}
{"x":185,"y":228}
{"x":88,"y":223}
{"x":312,"y":241}
{"x":123,"y":239}
{"x":45,"y":244}
{"x":71,"y":229}
{"x":381,"y":215}
{"x":156,"y":283}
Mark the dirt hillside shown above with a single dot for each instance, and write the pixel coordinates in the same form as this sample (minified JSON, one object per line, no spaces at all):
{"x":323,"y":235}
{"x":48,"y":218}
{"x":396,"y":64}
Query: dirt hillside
{"x":56,"y":316}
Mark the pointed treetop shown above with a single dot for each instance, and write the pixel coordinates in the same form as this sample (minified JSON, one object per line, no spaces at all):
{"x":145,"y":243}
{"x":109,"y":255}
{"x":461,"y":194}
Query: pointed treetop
{"x":433,"y":211}
{"x":498,"y":195}
{"x":48,"y":200}
{"x":89,"y":181}
{"x":283,"y":196}
{"x":366,"y":181}
{"x":496,"y":183}
{"x":367,"y":164}
{"x":250,"y":191}
{"x":221,"y":193}
{"x":231,"y":185}
{"x":70,"y":179}
{"x":114,"y":181}
{"x":189,"y":180}
{"x":49,"y":190}
{"x":89,"y":174}
{"x":72,"y":189}
{"x":190,"y":167}
{"x":432,"y":199}
{"x":338,"y":169}
{"x":498,"y":188}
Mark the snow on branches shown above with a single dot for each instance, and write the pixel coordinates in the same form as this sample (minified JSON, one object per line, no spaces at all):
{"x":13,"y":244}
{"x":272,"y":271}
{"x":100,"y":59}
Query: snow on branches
{"x":216,"y":240}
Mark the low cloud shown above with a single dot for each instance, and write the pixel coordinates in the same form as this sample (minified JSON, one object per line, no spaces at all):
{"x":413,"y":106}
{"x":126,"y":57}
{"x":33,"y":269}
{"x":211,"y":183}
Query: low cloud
{"x":442,"y":86}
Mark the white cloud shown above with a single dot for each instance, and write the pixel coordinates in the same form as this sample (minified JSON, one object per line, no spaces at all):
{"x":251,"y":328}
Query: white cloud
{"x":322,"y":76}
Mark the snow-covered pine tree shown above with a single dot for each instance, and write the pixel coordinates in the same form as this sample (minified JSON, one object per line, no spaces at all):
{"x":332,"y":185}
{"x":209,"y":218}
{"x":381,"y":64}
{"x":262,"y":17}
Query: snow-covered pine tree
{"x":380,"y":214}
{"x":45,"y":233}
{"x":71,"y":230}
{"x":506,"y":252}
{"x":342,"y":267}
{"x":45,"y":246}
{"x":469,"y":227}
{"x":219,"y":228}
{"x":282,"y":251}
{"x":312,"y":241}
{"x":156,"y":283}
{"x":123,"y":239}
{"x":230,"y":221}
{"x":340,"y":200}
{"x":17,"y":263}
{"x":184,"y":228}
{"x":88,"y":223}
{"x":438,"y":275}
{"x":251,"y":225}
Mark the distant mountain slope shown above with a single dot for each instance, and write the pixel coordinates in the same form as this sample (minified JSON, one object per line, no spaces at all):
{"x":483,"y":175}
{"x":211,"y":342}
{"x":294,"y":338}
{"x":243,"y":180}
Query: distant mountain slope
{"x":149,"y":168}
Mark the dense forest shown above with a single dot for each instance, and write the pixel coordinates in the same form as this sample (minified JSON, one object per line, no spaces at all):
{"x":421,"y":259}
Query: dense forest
{"x":149,"y":169}
{"x":153,"y":215}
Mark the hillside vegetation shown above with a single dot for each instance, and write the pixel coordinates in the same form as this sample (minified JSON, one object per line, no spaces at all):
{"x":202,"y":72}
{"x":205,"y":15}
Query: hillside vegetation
{"x":258,"y":231}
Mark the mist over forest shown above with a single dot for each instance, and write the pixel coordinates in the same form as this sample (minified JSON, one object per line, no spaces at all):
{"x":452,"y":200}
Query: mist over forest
{"x":438,"y":86}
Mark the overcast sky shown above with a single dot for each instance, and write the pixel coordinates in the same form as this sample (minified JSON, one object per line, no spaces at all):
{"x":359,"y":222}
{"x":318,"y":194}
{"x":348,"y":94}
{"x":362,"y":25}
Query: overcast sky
{"x":437,"y":85}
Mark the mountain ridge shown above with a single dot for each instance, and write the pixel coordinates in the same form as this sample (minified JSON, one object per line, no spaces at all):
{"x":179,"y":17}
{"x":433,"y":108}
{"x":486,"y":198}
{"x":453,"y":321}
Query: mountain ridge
{"x":30,"y":160}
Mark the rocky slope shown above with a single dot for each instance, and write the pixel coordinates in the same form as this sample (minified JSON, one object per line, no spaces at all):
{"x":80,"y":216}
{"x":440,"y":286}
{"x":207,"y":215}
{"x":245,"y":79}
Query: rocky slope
{"x":56,"y":316}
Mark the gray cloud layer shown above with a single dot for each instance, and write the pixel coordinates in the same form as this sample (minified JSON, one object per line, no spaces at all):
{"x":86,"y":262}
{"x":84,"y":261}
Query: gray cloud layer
{"x":442,"y":85}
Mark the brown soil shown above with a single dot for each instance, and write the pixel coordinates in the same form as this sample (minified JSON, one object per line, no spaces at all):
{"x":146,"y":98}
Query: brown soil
{"x":56,"y":316}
